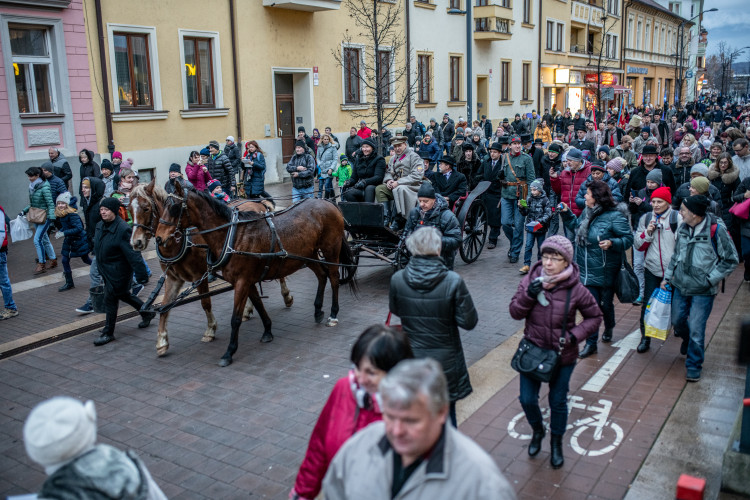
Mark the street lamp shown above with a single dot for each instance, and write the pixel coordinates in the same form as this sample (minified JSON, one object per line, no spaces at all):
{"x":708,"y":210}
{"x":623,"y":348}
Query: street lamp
{"x":469,"y":96}
{"x":681,"y":52}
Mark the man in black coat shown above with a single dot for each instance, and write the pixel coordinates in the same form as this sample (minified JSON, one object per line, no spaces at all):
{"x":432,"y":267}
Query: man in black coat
{"x":433,"y":211}
{"x":583,"y":144}
{"x":220,"y":167}
{"x":117,"y":261}
{"x":649,"y":161}
{"x":61,"y":167}
{"x":353,"y":143}
{"x":367,"y":173}
{"x":492,"y":170}
{"x":232,"y":151}
{"x":450,"y":184}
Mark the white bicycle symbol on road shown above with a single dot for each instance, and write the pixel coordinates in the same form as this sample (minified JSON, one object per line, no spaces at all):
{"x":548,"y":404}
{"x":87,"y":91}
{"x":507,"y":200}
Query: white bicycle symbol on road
{"x":598,"y":422}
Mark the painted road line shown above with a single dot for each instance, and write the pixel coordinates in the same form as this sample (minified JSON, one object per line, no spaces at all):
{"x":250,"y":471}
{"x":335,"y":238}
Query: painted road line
{"x":600,"y":378}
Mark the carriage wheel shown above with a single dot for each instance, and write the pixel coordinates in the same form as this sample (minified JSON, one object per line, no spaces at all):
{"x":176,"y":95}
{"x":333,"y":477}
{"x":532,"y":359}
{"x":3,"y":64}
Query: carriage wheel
{"x":474,"y":231}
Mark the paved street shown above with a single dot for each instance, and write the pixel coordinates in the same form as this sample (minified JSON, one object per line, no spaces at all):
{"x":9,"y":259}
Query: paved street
{"x":210,"y":432}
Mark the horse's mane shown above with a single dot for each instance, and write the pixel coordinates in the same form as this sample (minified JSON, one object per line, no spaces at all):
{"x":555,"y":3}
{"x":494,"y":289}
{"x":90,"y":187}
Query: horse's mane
{"x":159,"y":194}
{"x":219,"y":208}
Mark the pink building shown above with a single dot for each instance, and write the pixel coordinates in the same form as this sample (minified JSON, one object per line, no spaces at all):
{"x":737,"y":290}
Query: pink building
{"x":45,"y":90}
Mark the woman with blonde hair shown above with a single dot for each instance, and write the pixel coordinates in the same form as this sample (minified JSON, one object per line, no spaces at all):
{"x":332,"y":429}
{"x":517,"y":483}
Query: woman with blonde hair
{"x":689,"y":141}
{"x":327,"y":162}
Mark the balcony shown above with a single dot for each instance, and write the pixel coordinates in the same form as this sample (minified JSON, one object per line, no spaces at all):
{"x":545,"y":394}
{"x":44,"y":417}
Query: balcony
{"x":304,"y":5}
{"x":579,"y":49}
{"x":492,"y":29}
{"x":483,"y":11}
{"x":584,"y":13}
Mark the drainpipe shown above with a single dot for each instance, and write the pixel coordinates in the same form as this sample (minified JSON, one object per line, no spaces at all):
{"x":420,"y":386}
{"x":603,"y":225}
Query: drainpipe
{"x":623,"y":42}
{"x":540,"y":104}
{"x":237,"y":112}
{"x":105,"y":79}
{"x":469,"y":77}
{"x":408,"y":61}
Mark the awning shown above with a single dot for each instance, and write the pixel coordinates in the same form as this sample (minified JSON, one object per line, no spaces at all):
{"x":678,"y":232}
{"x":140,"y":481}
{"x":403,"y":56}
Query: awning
{"x":619,"y":89}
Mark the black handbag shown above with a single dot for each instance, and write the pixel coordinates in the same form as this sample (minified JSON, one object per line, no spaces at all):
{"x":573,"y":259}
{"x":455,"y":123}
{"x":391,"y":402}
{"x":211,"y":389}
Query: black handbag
{"x":537,"y":363}
{"x":627,"y":288}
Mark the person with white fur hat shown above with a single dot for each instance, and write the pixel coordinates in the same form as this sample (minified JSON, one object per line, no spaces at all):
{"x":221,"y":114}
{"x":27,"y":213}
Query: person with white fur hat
{"x":76,"y":241}
{"x":60,"y":435}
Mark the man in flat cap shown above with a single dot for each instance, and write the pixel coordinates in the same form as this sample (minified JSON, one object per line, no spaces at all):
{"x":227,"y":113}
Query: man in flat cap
{"x":402,"y":180}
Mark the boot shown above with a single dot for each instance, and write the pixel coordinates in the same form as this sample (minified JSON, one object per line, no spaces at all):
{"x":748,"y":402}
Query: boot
{"x":146,"y":318}
{"x":645,"y":345}
{"x":386,"y":211}
{"x":68,"y":283}
{"x":536,"y":441}
{"x":52,"y":263}
{"x":39,"y":268}
{"x":607,"y":335}
{"x":104,"y":338}
{"x":587,"y":351}
{"x":556,"y":457}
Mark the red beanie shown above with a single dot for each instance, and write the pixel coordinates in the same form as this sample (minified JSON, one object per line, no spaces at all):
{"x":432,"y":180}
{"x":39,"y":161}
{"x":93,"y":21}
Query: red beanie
{"x":662,"y":193}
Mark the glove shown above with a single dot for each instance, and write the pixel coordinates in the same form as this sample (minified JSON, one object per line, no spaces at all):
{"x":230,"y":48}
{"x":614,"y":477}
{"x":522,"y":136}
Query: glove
{"x":534,"y":288}
{"x":59,"y":235}
{"x":360,"y":185}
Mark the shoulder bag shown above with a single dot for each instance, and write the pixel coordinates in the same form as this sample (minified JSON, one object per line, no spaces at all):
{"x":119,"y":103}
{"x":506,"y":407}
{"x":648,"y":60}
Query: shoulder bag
{"x":627,"y":288}
{"x":537,"y":363}
{"x":36,"y":215}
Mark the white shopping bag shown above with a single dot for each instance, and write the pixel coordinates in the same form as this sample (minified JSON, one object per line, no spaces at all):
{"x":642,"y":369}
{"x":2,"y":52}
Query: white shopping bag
{"x":20,"y":230}
{"x":658,"y":317}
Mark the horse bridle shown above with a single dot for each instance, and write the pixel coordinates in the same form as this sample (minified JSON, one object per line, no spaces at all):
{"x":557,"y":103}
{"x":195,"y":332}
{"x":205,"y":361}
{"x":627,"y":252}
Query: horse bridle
{"x":151,"y":229}
{"x":177,"y":234}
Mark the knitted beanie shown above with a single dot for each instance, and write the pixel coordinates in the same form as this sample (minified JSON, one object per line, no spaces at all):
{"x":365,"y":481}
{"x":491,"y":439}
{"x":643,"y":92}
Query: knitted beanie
{"x":700,"y":184}
{"x":662,"y":193}
{"x":561,"y":245}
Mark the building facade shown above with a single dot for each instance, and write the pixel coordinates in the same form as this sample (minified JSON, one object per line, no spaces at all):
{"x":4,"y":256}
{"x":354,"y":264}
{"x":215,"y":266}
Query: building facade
{"x":500,"y":38}
{"x":651,"y":39}
{"x":45,"y":90}
{"x":580,"y":47}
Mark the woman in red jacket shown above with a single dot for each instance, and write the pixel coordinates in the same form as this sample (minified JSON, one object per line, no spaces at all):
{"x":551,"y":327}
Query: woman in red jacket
{"x":541,"y":299}
{"x":197,"y":172}
{"x":353,"y":404}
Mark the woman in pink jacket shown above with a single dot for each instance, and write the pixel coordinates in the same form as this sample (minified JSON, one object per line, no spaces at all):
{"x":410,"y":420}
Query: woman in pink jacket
{"x":353,"y":404}
{"x":197,"y":173}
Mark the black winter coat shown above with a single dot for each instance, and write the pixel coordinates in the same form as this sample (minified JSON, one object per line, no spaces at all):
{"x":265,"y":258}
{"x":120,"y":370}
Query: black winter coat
{"x":442,"y":218}
{"x":637,"y":181}
{"x":235,"y":158}
{"x":548,"y":163}
{"x":451,"y":188}
{"x":89,"y":169}
{"x":353,"y":143}
{"x":90,"y":209}
{"x":57,"y":186}
{"x":115,"y":258}
{"x":76,"y":242}
{"x":221,"y":168}
{"x":433,"y":303}
{"x":727,"y":183}
{"x":370,"y":169}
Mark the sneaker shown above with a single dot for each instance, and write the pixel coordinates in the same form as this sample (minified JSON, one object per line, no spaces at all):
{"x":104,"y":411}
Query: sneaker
{"x":693,"y":376}
{"x":513,"y":260}
{"x":136,"y":290}
{"x":524,"y":270}
{"x":8,"y":313}
{"x":86,"y":308}
{"x":638,"y":301}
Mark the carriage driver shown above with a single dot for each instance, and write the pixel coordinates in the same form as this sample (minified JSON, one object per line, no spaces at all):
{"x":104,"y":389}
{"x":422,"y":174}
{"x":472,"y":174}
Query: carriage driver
{"x":433,"y":211}
{"x":402,"y":179}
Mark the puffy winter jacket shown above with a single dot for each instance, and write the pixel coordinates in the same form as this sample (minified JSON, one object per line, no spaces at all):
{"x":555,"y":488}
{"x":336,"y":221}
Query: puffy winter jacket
{"x":57,"y":186}
{"x":255,"y":174}
{"x":538,"y":209}
{"x":659,"y":245}
{"x":684,"y":192}
{"x":221,"y":168}
{"x":442,"y":218}
{"x":613,"y":187}
{"x":197,"y":176}
{"x":327,"y":159}
{"x":696,"y":268}
{"x":600,"y":267}
{"x":727,"y":183}
{"x":232,"y":153}
{"x":75,"y":243}
{"x":543,"y":324}
{"x":370,"y":169}
{"x":433,"y":303}
{"x":568,"y":183}
{"x":305,"y":178}
{"x":42,"y":198}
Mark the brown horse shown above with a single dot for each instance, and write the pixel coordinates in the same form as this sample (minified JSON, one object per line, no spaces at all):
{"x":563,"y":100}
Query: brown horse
{"x":146,"y":203}
{"x":263,"y":246}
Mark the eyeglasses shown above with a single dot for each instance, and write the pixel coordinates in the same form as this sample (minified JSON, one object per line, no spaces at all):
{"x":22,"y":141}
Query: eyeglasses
{"x":550,"y":258}
{"x":737,"y":150}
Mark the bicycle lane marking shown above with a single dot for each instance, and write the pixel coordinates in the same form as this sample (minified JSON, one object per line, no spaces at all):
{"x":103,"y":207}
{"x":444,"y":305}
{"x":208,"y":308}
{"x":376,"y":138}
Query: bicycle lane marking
{"x":601,"y":377}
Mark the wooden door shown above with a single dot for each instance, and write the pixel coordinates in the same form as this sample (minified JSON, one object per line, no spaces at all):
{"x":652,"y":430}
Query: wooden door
{"x":285,"y":121}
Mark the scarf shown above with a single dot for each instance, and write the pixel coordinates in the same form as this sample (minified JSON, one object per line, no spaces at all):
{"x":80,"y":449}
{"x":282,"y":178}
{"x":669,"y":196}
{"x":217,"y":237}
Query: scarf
{"x":364,"y":400}
{"x":33,"y":185}
{"x":552,"y":281}
{"x":65,"y":211}
{"x":588,"y":215}
{"x":125,"y":187}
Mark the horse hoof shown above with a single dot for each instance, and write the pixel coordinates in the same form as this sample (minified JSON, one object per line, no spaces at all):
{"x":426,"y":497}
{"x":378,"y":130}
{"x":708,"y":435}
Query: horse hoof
{"x":208,"y":338}
{"x":288,"y":302}
{"x":161,"y":351}
{"x":332,"y":322}
{"x":267,"y":337}
{"x":225,"y":362}
{"x":319,"y":317}
{"x":246,"y":318}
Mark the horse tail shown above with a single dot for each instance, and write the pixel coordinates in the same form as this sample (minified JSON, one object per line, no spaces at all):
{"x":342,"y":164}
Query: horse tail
{"x":348,"y":271}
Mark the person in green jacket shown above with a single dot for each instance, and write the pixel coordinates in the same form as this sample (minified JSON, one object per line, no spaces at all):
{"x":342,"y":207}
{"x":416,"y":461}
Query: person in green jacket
{"x":343,"y":172}
{"x":519,"y":172}
{"x":40,"y":196}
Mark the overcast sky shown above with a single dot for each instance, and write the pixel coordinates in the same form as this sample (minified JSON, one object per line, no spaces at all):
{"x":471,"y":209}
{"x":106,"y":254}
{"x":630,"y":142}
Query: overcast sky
{"x":729,"y":24}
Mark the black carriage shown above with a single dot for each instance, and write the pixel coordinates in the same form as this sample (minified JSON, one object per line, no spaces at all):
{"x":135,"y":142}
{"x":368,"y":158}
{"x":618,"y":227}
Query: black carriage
{"x":369,"y":237}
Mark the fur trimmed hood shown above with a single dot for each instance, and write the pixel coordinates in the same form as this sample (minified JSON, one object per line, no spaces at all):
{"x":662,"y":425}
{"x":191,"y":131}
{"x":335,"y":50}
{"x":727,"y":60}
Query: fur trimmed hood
{"x":728,"y":177}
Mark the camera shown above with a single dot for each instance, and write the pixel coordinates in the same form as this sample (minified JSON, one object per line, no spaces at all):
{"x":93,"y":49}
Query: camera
{"x":560,"y":207}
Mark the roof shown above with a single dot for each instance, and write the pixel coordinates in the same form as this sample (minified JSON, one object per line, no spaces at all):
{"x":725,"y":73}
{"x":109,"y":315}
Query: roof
{"x":652,"y":4}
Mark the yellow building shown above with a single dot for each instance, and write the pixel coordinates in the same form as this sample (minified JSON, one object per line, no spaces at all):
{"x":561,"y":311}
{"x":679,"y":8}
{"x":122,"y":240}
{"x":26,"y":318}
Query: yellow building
{"x":579,"y":41}
{"x":651,"y":37}
{"x":181,"y":73}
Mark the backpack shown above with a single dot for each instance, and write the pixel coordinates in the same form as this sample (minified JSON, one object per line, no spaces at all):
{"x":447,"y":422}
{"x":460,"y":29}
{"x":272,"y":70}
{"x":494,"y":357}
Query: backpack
{"x":673,"y":222}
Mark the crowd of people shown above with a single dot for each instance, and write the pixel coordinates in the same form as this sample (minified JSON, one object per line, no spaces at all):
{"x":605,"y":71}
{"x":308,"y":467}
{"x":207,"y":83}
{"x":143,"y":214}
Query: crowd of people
{"x":649,"y":186}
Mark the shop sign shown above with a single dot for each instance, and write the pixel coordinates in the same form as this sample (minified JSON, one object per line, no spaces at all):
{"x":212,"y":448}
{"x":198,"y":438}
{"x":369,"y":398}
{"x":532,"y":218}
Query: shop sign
{"x":606,"y":78}
{"x":635,"y":69}
{"x":562,"y":75}
{"x":576,"y":78}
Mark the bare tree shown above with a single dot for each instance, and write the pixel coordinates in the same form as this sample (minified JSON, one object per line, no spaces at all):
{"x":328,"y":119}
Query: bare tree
{"x":599,"y":58}
{"x":713,"y":71}
{"x":381,"y":26}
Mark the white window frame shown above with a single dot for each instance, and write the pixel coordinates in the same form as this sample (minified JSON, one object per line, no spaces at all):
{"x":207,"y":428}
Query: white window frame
{"x":550,"y":40}
{"x":560,"y":38}
{"x":362,"y":89}
{"x":48,"y":61}
{"x":218,"y":109}
{"x":631,"y":29}
{"x":391,"y":72}
{"x":153,"y":54}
